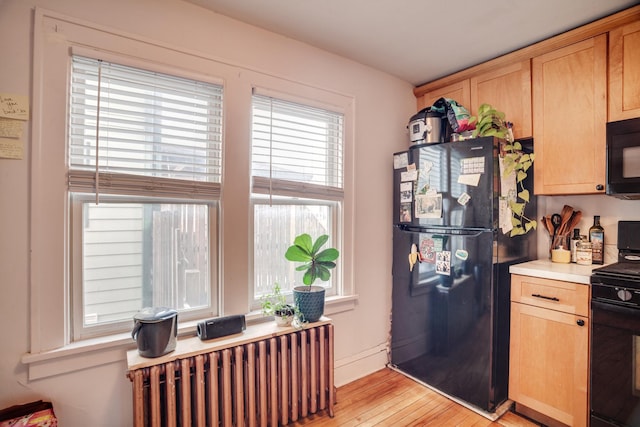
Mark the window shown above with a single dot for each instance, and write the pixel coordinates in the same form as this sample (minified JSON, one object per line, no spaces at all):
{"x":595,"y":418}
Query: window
{"x":161,"y":176}
{"x":144,"y":154}
{"x":297,"y":177}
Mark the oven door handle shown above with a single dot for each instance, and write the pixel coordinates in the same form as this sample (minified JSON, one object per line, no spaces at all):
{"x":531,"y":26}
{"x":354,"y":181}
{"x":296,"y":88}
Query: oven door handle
{"x":615,"y":308}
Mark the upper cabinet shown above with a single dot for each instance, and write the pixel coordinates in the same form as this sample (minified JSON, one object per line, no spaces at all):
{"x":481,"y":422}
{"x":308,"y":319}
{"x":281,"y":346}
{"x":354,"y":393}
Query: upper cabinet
{"x":562,"y":91}
{"x":508,"y":89}
{"x":569,"y":116}
{"x":458,"y":91}
{"x":624,"y":72}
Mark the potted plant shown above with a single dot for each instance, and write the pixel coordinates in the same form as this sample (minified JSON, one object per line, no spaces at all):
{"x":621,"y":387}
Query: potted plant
{"x":317,"y":264}
{"x":491,"y":122}
{"x":275,"y":304}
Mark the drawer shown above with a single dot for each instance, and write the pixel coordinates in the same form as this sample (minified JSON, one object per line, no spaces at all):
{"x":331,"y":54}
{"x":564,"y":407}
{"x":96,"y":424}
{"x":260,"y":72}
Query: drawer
{"x":567,"y":297}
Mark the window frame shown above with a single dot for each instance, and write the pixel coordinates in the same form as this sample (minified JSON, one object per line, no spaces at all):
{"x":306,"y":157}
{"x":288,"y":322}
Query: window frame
{"x":295,"y":190}
{"x":56,"y":39}
{"x":163,"y":189}
{"x":171,"y":190}
{"x":81,"y":332}
{"x":337,"y":289}
{"x":51,"y":350}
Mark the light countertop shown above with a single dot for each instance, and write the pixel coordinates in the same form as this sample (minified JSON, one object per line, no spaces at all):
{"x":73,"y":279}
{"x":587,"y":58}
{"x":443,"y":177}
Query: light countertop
{"x":557,"y":271}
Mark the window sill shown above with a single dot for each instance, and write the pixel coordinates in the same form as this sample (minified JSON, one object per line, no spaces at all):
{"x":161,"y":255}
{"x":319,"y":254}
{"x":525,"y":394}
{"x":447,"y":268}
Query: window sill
{"x":112,"y":349}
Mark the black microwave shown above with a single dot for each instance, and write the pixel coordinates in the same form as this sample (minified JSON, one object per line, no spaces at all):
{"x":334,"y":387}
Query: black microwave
{"x":623,"y":159}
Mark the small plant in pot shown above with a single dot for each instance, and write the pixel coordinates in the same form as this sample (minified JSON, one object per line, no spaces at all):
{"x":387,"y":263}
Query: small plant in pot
{"x":317,"y":264}
{"x":275,"y":304}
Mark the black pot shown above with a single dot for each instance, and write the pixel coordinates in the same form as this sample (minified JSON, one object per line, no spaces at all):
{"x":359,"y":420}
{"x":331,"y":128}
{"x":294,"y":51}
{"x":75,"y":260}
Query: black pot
{"x":310,"y":302}
{"x":155,"y":331}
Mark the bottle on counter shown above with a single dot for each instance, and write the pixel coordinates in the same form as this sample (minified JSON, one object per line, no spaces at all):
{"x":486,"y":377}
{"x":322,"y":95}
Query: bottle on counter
{"x":596,"y":237}
{"x":574,"y":244}
{"x":584,"y":253}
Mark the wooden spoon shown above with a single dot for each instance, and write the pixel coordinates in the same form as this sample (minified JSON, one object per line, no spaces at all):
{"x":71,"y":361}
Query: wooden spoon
{"x":574,"y":220}
{"x":565,"y":216}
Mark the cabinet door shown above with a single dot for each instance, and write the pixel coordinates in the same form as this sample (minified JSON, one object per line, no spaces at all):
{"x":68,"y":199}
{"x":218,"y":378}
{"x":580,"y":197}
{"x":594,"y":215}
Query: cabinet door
{"x":548,"y":363}
{"x":569,"y":118}
{"x":624,"y":72}
{"x":457,"y":91}
{"x":507,"y":89}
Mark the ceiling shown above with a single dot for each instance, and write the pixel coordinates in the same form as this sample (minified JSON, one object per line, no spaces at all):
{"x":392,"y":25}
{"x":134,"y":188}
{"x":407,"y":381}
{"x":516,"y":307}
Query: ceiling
{"x":417,"y":40}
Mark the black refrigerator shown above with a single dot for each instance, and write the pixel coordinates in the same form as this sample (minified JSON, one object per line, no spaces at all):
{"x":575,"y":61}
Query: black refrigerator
{"x":451,"y":255}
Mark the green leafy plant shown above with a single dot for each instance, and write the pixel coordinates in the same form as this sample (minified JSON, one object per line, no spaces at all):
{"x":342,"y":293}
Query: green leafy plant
{"x":275,"y":303}
{"x":317,"y":262}
{"x":491,"y":122}
{"x":515,"y":160}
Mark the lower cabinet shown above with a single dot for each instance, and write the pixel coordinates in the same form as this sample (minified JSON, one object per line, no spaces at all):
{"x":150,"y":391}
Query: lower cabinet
{"x":549,"y":349}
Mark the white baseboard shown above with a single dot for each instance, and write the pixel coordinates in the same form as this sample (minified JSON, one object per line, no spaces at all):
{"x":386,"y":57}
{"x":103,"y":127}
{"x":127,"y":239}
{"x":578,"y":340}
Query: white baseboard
{"x":359,"y":365}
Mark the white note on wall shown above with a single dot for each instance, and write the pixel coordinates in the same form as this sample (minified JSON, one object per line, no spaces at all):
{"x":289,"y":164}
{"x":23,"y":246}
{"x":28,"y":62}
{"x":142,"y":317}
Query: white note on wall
{"x":10,"y":128}
{"x":14,"y":106}
{"x":11,"y":148}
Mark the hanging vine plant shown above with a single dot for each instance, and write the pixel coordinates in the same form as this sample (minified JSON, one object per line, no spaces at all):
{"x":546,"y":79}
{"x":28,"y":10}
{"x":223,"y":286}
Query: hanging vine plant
{"x":491,"y":122}
{"x":518,"y":162}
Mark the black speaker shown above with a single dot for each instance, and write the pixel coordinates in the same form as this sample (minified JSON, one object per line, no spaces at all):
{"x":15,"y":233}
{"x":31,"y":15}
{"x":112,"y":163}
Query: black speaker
{"x":221,"y":326}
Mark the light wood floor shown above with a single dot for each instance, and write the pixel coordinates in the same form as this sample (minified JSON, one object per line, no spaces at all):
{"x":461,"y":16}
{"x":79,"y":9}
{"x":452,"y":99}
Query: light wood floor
{"x":388,"y":398}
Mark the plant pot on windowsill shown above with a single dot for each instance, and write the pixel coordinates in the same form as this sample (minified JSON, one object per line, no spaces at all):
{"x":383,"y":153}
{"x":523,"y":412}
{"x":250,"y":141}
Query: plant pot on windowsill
{"x":284,"y":316}
{"x":275,"y":304}
{"x":309,"y":299}
{"x":310,"y":302}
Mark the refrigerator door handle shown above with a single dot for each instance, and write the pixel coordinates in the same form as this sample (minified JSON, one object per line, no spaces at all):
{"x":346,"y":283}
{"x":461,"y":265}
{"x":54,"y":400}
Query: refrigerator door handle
{"x":443,"y":231}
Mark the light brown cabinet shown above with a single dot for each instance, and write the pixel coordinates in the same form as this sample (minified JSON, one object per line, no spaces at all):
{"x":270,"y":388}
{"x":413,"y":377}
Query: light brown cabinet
{"x":624,"y":72}
{"x":458,"y":91}
{"x":507,"y":89}
{"x":548,"y":366}
{"x":579,"y":80}
{"x":569,"y":118}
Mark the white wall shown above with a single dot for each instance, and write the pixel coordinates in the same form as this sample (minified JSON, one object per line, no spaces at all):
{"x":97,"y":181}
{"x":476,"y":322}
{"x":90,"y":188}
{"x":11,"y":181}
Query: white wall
{"x":101,"y":396}
{"x":610,"y":209}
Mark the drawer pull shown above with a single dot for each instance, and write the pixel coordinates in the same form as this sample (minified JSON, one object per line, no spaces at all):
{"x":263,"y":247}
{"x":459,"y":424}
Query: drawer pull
{"x":544,"y":297}
{"x":580,"y":322}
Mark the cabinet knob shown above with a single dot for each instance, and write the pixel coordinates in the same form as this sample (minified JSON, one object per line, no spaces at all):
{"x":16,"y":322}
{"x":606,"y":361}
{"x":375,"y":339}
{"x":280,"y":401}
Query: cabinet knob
{"x":580,"y":322}
{"x":599,"y":187}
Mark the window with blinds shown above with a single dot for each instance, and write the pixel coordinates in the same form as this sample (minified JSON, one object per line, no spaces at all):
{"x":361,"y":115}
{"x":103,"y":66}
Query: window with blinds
{"x":297,"y":150}
{"x":144,"y":156}
{"x":297,"y":157}
{"x":133,"y":131}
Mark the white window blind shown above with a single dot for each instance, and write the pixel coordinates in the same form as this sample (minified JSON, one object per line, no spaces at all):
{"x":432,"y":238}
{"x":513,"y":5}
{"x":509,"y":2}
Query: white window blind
{"x":297,"y":150}
{"x":138,"y":132}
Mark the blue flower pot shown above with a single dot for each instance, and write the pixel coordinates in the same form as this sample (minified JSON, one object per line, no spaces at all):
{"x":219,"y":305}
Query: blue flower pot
{"x":310,"y":302}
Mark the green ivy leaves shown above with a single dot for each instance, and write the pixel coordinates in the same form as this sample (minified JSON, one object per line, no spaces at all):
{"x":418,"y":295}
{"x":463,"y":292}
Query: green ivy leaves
{"x":517,"y":161}
{"x":489,"y":122}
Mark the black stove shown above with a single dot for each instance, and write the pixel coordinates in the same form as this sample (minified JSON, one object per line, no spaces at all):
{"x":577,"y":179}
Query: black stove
{"x":615,"y":335}
{"x":628,"y":266}
{"x":623,"y":269}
